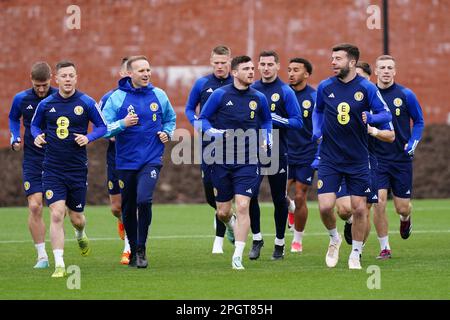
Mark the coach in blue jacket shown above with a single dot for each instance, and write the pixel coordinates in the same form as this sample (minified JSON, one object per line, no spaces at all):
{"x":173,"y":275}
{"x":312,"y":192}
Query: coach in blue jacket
{"x":143,"y":120}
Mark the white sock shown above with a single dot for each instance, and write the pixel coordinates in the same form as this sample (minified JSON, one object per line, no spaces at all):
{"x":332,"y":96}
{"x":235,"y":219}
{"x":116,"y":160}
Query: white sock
{"x":334,"y":235}
{"x":402,"y":218}
{"x":127,"y":245}
{"x":291,"y":207}
{"x":58,"y":254}
{"x":356,"y":249}
{"x":218,"y":241}
{"x":42,"y":254}
{"x":79,"y":233}
{"x":350,"y":220}
{"x":257,"y":236}
{"x":384,"y":243}
{"x":298,"y":236}
{"x":279,"y":242}
{"x":238,"y":249}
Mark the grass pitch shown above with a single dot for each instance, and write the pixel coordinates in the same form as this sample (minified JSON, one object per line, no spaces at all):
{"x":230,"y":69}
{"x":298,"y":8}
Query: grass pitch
{"x":182,"y":267}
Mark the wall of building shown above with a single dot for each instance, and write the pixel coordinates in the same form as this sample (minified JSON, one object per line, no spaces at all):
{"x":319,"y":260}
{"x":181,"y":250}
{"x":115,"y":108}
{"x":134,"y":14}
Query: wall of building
{"x":177,"y":35}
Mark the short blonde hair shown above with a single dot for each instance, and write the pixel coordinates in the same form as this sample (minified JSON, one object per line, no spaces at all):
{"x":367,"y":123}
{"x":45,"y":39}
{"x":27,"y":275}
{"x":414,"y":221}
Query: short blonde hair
{"x":384,"y":57}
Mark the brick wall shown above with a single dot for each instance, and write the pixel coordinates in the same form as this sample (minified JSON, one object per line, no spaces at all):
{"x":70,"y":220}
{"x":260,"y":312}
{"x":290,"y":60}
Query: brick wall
{"x":178,"y":35}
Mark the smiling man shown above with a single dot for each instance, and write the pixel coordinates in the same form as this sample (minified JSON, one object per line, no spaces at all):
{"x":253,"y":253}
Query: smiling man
{"x":66,"y":115}
{"x":142,"y":119}
{"x":340,"y":119}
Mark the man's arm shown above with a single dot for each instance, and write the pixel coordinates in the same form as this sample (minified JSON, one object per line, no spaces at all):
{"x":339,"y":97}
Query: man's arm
{"x":384,"y":132}
{"x":96,"y":117}
{"x":110,"y":110}
{"x":266,"y":120}
{"x":169,"y":116}
{"x":293,"y":110}
{"x":14,"y":122}
{"x":36,"y":123}
{"x":317,"y":116}
{"x":415,"y":112}
{"x":208,"y":110}
{"x":381,"y":113}
{"x":193,"y":101}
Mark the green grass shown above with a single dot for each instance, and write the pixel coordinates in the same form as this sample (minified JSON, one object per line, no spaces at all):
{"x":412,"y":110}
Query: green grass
{"x":181,"y":265}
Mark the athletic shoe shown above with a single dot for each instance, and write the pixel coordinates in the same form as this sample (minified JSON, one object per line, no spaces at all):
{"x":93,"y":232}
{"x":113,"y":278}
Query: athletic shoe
{"x":384,"y":254}
{"x":354,"y":263}
{"x":42,"y":264}
{"x":278,"y":252}
{"x":230,"y":231}
{"x":291,"y":221}
{"x":332,"y":256}
{"x":60,"y":272}
{"x":121,"y":230}
{"x":296,"y":247}
{"x":141,"y":258}
{"x":236,"y":263}
{"x":348,"y":232}
{"x":125,"y":259}
{"x":405,"y":228}
{"x":83,"y":243}
{"x":256,"y":249}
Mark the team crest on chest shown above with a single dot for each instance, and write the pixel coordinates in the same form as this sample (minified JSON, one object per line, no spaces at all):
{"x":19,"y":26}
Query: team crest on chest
{"x":154,"y":106}
{"x":253,"y":105}
{"x":398,"y":102}
{"x":359,"y":96}
{"x":306,"y":104}
{"x":275,"y":97}
{"x":78,"y":110}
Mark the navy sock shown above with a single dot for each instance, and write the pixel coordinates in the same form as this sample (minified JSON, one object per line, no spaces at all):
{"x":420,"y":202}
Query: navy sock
{"x":255,"y":215}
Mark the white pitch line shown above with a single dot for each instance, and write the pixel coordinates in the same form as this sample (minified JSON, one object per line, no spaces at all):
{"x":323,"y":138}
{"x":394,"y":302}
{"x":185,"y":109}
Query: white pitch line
{"x":313,"y":234}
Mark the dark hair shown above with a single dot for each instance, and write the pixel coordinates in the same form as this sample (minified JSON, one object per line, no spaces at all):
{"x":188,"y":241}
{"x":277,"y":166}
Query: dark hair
{"x":365,"y":67}
{"x":133,"y":59}
{"x":306,"y":63}
{"x":269,"y":53}
{"x":238,"y":60}
{"x":352,"y":51}
{"x":221,"y":50}
{"x":41,"y":71}
{"x":64,"y":64}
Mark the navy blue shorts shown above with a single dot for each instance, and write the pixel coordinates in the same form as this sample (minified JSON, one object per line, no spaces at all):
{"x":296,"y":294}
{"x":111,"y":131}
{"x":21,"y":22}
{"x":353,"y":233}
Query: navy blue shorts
{"x":342,"y":191}
{"x":229,"y":180}
{"x":113,"y":180}
{"x":356,"y":178}
{"x":32,"y":177}
{"x":69,"y":187}
{"x":397,"y":176}
{"x":373,"y":196}
{"x":206,"y":173}
{"x":301,"y":173}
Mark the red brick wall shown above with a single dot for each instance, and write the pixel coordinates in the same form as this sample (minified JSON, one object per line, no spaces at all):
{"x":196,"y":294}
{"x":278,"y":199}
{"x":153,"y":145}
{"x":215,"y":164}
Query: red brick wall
{"x":178,"y":35}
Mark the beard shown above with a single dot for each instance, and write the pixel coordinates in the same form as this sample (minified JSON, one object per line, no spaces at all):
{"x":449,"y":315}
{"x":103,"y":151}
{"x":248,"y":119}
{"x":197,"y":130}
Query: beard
{"x":343,"y":72}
